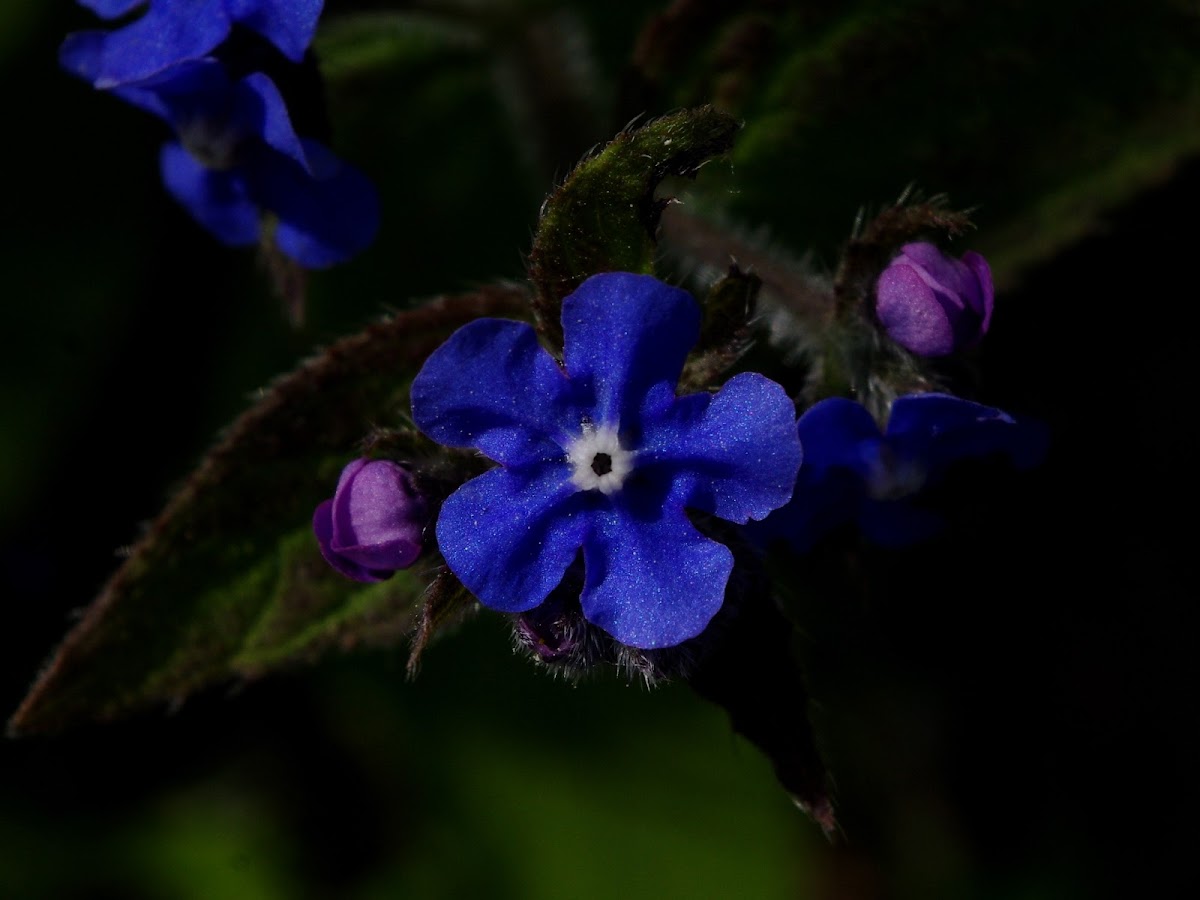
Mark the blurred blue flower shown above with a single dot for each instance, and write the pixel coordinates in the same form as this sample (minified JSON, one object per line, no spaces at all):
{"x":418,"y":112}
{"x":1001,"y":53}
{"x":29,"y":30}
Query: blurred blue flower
{"x":173,"y":31}
{"x":239,"y":166}
{"x":854,"y":473}
{"x":600,"y":454}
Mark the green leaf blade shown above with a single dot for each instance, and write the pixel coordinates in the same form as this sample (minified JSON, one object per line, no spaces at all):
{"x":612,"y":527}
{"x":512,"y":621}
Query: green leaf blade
{"x":228,"y":582}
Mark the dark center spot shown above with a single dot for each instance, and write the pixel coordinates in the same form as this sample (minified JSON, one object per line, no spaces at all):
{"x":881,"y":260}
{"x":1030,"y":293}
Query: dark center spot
{"x":602,"y":464}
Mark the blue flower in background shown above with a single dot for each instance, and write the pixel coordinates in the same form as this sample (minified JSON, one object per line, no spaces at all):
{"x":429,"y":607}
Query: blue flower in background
{"x":172,"y":31}
{"x":238,"y":158}
{"x":600,"y":454}
{"x":854,"y":473}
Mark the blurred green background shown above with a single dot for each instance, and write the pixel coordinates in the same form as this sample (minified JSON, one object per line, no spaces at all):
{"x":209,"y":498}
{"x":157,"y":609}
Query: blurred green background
{"x":1005,"y":712}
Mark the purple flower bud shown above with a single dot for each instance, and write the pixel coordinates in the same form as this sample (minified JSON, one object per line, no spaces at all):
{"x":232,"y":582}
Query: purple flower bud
{"x":932,"y":304}
{"x":373,"y":525}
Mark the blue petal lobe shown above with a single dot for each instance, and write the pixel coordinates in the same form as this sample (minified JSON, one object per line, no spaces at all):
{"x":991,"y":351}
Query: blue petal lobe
{"x":509,"y":535}
{"x":168,"y":34}
{"x":217,"y":200}
{"x":324,"y":218}
{"x":288,"y":24}
{"x":110,"y":9}
{"x":941,"y":429}
{"x":738,"y":450}
{"x":651,"y":579}
{"x":261,"y":110}
{"x":188,"y":94}
{"x":491,"y":386}
{"x":838,"y":432}
{"x":625,"y":338}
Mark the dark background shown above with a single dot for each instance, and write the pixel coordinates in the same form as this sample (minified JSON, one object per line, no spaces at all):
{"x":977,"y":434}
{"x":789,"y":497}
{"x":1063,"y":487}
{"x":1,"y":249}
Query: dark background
{"x":1006,"y":712}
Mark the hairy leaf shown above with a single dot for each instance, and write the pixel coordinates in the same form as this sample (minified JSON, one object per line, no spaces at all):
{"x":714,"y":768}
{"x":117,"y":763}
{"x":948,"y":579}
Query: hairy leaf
{"x":604,"y":216}
{"x":228,"y":582}
{"x":1042,"y":119}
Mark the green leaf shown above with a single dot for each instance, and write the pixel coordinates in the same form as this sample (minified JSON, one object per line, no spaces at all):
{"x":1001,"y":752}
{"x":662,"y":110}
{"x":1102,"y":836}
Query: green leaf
{"x":356,"y":44}
{"x":1041,"y":124}
{"x":605,"y":215}
{"x":228,"y":582}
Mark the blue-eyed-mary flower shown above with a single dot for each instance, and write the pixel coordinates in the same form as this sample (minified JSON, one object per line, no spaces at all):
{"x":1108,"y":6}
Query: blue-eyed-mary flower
{"x":598,"y":455}
{"x":374,"y":523}
{"x":174,"y":31}
{"x":854,"y":472}
{"x":238,"y":166}
{"x":932,"y":304}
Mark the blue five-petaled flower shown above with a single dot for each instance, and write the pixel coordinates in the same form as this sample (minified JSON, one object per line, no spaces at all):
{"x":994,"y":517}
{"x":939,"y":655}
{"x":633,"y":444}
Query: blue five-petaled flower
{"x":173,"y":31}
{"x":600,"y":455}
{"x":238,"y":157}
{"x":854,"y":472}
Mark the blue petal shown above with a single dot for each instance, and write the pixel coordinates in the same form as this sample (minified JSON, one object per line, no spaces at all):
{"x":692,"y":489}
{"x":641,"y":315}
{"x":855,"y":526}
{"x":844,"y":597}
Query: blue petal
{"x":217,"y":200}
{"x":193,"y":90}
{"x":738,"y":451}
{"x":651,"y":579}
{"x":625,"y":339}
{"x":288,"y":24}
{"x":261,"y":110}
{"x":820,"y":503}
{"x":82,"y":54}
{"x":838,"y":432}
{"x":168,"y":34}
{"x":493,"y":387}
{"x":509,"y":535}
{"x":324,"y":218}
{"x":110,"y":9}
{"x":941,"y":429}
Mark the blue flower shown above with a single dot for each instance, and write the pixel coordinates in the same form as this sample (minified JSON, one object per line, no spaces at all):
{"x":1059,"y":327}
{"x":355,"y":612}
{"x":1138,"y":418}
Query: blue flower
{"x":238,"y":157}
{"x":854,"y":473}
{"x":173,"y":31}
{"x":600,"y":455}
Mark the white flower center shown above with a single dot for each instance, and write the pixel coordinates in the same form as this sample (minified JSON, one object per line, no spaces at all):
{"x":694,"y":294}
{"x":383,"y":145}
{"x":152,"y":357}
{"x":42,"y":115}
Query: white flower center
{"x":599,"y":461}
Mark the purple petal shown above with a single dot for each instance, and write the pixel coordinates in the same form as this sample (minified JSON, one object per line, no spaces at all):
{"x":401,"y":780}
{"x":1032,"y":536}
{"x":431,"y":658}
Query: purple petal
{"x":378,"y":518}
{"x":510,"y":535}
{"x":738,"y":450}
{"x":625,"y":339}
{"x":987,"y":291}
{"x":325,"y":218}
{"x":493,"y":387}
{"x":651,"y":579}
{"x":909,"y":310}
{"x":217,"y":200}
{"x":323,"y":528}
{"x":288,"y":24}
{"x":169,"y":33}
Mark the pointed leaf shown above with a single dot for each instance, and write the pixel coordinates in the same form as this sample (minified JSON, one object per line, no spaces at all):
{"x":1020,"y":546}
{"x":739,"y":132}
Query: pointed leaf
{"x":228,"y":581}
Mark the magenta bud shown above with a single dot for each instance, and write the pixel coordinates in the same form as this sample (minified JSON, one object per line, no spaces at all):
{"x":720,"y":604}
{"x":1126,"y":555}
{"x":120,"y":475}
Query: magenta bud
{"x":932,"y":304}
{"x":374,"y":523}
